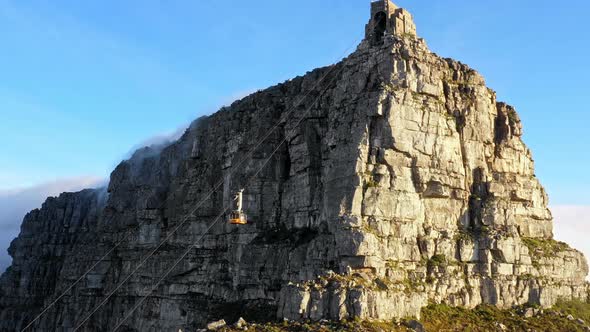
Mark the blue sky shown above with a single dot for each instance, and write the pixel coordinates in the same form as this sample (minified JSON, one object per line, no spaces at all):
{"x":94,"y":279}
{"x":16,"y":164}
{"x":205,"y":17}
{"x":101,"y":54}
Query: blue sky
{"x":83,"y":82}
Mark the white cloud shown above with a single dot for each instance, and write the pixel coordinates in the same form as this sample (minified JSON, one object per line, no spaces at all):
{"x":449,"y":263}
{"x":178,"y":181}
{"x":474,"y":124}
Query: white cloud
{"x":15,"y":203}
{"x":572,"y":225}
{"x":157,"y":141}
{"x":227,"y":101}
{"x":167,"y":138}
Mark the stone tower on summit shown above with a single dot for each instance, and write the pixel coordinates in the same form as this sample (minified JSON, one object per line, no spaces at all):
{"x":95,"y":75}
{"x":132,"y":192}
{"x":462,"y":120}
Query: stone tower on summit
{"x":387,"y":18}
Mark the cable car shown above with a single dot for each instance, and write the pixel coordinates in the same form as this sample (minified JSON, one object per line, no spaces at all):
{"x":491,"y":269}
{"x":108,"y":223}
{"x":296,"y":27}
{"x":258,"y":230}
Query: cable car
{"x":237,"y":216}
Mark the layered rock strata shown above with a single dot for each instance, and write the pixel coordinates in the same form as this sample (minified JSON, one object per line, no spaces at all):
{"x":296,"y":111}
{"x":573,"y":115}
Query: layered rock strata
{"x":402,"y":181}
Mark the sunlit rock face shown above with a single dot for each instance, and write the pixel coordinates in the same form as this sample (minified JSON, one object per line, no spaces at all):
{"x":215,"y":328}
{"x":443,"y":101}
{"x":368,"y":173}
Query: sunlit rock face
{"x":389,"y":180}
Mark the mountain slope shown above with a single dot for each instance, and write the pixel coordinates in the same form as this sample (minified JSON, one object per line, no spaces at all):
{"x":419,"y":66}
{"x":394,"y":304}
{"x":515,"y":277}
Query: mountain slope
{"x":393,"y":179}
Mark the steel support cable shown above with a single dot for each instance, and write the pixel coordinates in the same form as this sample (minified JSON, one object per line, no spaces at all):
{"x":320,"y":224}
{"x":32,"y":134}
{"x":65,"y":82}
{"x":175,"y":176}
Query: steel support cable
{"x":155,"y":286}
{"x":194,"y":244}
{"x":69,"y":288}
{"x":213,"y":190}
{"x":190,"y":215}
{"x":249,"y":154}
{"x":194,"y":210}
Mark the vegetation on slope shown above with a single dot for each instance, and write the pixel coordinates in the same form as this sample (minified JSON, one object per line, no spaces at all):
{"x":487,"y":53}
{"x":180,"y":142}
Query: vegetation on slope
{"x":544,"y":247}
{"x":565,"y":316}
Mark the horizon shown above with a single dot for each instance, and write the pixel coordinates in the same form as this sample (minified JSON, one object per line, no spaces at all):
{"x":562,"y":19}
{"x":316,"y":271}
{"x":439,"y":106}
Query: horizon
{"x":83,"y":88}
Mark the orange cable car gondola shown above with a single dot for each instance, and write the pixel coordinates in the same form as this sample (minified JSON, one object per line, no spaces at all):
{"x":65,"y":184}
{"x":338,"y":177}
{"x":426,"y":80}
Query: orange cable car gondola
{"x":237,"y":216}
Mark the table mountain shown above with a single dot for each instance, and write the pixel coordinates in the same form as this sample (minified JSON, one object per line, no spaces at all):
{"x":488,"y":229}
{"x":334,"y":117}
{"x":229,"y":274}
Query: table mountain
{"x":390,"y":180}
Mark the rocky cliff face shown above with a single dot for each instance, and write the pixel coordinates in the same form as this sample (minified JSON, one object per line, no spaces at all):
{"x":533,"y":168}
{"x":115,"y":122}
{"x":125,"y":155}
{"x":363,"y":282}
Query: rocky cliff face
{"x":401,"y":181}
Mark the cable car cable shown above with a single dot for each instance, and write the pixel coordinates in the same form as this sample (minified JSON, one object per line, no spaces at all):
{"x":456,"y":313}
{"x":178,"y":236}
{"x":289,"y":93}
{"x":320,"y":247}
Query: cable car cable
{"x":216,"y":187}
{"x":191,"y":247}
{"x":186,"y":218}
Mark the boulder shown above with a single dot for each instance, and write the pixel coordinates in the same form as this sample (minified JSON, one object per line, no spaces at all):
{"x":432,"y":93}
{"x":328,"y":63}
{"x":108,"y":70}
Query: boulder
{"x":214,"y":326}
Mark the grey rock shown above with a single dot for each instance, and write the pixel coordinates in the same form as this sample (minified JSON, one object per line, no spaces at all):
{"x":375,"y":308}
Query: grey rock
{"x":398,"y":166}
{"x":214,"y":326}
{"x":501,"y":326}
{"x":240,"y":323}
{"x":416,"y":326}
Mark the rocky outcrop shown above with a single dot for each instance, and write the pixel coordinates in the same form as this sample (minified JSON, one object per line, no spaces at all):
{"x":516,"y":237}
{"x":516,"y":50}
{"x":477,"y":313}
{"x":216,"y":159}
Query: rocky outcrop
{"x":398,"y":179}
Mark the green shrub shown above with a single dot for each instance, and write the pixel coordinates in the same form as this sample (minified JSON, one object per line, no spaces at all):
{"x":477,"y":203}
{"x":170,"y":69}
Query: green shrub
{"x":437,"y":261}
{"x":544,"y":247}
{"x":576,"y":308}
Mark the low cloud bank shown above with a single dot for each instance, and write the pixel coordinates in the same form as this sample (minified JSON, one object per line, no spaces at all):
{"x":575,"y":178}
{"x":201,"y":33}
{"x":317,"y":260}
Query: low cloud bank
{"x":572,"y":225}
{"x":15,"y":203}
